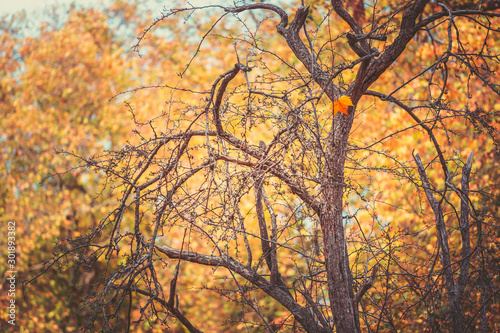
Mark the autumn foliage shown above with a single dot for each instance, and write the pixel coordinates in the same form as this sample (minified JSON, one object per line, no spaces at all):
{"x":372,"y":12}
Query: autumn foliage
{"x":166,"y":172}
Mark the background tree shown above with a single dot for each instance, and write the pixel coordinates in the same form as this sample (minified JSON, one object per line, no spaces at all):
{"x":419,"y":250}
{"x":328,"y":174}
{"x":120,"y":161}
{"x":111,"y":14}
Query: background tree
{"x":315,"y":217}
{"x":57,"y":74}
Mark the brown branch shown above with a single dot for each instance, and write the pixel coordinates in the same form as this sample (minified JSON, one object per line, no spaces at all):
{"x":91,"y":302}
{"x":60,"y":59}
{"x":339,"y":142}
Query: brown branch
{"x":422,"y":124}
{"x":283,"y":15}
{"x":408,"y":29}
{"x":127,"y":193}
{"x":268,"y":248}
{"x":363,"y":49}
{"x":174,"y":311}
{"x":173,"y":283}
{"x":227,"y":77}
{"x":464,"y":225}
{"x":292,"y":37}
{"x":300,"y":313}
{"x":431,"y":19}
{"x":458,"y":320}
{"x":278,"y":172}
{"x":259,"y":208}
{"x":367,"y":284}
{"x":275,"y":274}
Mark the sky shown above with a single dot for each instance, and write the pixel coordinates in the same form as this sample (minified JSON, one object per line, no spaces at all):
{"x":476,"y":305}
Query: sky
{"x":12,"y":6}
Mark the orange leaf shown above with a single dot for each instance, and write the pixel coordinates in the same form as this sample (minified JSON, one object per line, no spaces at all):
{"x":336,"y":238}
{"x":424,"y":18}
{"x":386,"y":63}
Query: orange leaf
{"x":341,"y":105}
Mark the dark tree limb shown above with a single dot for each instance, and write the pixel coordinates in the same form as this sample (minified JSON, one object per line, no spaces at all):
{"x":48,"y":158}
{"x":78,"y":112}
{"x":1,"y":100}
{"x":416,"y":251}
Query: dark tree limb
{"x":173,"y":310}
{"x":363,"y":49}
{"x":367,"y":284}
{"x":264,"y":240}
{"x":464,"y":226}
{"x":457,"y":316}
{"x":278,"y":172}
{"x":407,"y":30}
{"x":292,"y":37}
{"x":422,"y":124}
{"x":268,"y":249}
{"x":300,"y":313}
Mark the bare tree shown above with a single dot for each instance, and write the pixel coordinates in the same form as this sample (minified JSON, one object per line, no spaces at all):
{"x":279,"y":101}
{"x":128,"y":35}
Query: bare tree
{"x":199,"y":173}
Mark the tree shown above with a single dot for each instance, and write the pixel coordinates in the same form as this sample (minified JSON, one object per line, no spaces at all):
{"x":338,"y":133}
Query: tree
{"x":256,"y":174}
{"x":54,"y":87}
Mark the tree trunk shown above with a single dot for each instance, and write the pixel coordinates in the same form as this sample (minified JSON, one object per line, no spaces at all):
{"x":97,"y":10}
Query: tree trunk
{"x":342,"y":300}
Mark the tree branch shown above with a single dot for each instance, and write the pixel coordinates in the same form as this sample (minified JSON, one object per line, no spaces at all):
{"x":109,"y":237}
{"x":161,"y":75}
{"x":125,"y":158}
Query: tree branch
{"x":408,"y":29}
{"x":464,"y":225}
{"x":173,"y":310}
{"x":300,"y":313}
{"x":458,"y":320}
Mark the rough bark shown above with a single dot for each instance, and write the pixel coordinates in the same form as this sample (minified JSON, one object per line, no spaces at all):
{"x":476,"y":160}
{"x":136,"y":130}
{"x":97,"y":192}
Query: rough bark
{"x":339,"y":277}
{"x":300,"y":313}
{"x":456,"y":311}
{"x":464,"y":225}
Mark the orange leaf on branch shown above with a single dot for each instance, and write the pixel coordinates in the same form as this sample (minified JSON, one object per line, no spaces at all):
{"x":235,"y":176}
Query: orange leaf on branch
{"x":341,"y":105}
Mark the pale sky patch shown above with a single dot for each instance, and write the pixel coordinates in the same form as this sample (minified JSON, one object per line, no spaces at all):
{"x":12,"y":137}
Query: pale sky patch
{"x":12,"y":6}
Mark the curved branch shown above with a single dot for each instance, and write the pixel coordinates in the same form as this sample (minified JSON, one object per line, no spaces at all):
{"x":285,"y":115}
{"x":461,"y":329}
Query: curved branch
{"x":283,"y":15}
{"x":259,"y":208}
{"x":422,"y":124}
{"x":364,"y":48}
{"x":278,"y":172}
{"x":226,"y":78}
{"x":367,"y":284}
{"x":443,"y":13}
{"x":300,"y":313}
{"x":407,"y":30}
{"x":464,"y":226}
{"x":458,"y":320}
{"x":173,"y":310}
{"x":292,"y":37}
